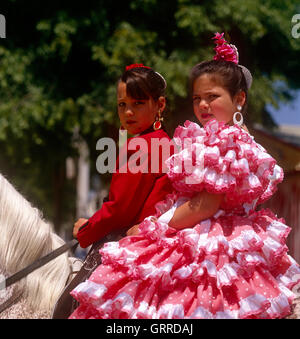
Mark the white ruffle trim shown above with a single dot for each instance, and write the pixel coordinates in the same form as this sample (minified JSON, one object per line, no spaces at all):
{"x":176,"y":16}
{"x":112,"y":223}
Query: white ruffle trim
{"x":243,"y":249}
{"x":90,"y":291}
{"x":253,"y":305}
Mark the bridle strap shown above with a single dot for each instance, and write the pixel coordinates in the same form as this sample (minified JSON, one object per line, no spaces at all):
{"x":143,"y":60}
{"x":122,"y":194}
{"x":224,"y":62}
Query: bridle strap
{"x":37,"y":264}
{"x":9,"y":302}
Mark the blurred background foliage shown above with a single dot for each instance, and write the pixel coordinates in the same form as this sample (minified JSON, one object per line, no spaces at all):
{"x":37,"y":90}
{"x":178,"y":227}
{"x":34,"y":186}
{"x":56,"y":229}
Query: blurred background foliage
{"x":61,"y":59}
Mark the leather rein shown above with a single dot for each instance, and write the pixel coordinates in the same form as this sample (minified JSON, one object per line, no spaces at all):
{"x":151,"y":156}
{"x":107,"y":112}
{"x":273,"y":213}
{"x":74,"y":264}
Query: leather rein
{"x":27,"y":270}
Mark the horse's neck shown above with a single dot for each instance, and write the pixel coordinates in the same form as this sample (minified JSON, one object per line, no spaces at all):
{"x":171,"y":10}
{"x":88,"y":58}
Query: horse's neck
{"x":9,"y":297}
{"x":25,"y":237}
{"x":18,"y":307}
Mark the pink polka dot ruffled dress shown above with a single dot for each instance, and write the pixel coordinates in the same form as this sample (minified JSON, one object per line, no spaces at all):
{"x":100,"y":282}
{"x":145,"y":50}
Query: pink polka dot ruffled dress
{"x":233,"y":265}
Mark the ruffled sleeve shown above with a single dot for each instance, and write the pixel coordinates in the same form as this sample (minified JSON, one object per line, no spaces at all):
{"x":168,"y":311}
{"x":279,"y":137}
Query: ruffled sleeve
{"x":224,"y":160}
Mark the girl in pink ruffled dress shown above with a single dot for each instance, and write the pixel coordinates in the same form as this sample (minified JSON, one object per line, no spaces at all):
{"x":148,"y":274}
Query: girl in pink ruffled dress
{"x":208,"y":252}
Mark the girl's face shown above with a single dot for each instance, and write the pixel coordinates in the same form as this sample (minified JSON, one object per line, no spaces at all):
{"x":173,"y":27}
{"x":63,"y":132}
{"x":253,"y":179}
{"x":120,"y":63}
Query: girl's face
{"x":213,"y":101}
{"x":137,"y":115}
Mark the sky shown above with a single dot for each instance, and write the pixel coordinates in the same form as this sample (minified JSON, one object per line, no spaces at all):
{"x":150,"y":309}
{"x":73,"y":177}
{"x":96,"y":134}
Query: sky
{"x":287,"y":114}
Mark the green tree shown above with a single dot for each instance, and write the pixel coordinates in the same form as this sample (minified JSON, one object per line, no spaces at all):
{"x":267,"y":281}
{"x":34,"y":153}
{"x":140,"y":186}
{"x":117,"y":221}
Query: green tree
{"x":60,"y":62}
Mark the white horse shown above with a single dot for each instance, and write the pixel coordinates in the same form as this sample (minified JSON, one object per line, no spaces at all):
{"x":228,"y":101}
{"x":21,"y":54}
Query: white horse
{"x":24,"y":238}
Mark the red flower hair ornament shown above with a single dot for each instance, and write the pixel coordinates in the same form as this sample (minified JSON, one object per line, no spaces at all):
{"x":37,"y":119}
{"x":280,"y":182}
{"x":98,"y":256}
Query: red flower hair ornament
{"x":227,"y":52}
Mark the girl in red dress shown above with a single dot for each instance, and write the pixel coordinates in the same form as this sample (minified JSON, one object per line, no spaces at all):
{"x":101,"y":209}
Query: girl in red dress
{"x":210,"y":253}
{"x":133,"y":191}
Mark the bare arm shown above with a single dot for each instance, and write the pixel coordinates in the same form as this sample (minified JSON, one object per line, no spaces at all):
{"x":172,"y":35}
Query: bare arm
{"x":202,"y":206}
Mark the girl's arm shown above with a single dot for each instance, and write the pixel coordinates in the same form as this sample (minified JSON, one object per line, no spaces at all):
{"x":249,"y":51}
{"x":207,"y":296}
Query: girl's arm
{"x":127,"y":195}
{"x":204,"y":205}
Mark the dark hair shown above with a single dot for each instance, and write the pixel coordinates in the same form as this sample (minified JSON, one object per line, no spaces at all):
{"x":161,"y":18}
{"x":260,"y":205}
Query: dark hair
{"x":143,"y":83}
{"x":228,"y":73}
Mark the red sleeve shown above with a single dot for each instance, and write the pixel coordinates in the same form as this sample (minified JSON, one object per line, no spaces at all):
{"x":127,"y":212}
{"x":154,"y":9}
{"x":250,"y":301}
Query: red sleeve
{"x":128,"y":193}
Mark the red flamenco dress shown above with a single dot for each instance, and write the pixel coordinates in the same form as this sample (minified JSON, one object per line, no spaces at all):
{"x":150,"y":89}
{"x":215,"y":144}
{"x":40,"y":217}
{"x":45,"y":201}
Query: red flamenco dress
{"x":233,"y":265}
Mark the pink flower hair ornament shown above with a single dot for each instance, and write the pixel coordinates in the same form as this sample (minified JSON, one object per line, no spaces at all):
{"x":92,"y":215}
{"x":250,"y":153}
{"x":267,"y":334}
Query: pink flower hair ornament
{"x":225,"y":51}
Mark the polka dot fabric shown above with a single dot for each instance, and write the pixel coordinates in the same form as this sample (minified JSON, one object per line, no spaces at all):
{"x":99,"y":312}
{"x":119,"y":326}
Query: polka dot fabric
{"x":233,"y":265}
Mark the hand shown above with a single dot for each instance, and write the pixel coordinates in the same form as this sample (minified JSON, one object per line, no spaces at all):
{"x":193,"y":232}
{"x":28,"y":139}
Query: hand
{"x":134,"y":230}
{"x":77,"y":225}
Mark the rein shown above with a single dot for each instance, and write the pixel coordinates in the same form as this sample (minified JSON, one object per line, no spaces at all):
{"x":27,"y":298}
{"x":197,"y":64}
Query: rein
{"x":29,"y":269}
{"x":10,"y":301}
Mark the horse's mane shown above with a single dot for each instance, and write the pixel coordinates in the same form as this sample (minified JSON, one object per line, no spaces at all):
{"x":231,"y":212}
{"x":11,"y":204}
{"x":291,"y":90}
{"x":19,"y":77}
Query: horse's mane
{"x":25,"y":237}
